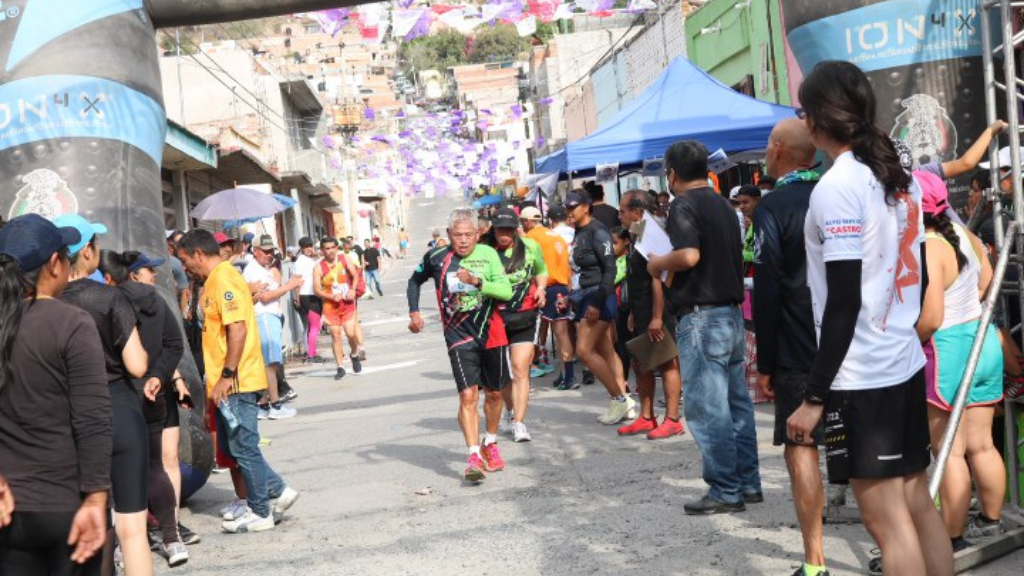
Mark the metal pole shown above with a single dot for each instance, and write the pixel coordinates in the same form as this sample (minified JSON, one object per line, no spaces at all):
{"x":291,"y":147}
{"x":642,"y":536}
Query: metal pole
{"x":972,"y":364}
{"x":990,"y":117}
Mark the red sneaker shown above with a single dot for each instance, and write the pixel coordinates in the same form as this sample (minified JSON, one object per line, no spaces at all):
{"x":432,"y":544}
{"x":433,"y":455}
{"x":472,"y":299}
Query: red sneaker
{"x":492,"y":458}
{"x":639,"y":426}
{"x":475,"y":469}
{"x":667,"y":429}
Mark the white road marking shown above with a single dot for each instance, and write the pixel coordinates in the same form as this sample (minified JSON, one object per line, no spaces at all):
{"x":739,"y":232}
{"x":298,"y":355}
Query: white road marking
{"x":367,"y":370}
{"x":395,"y":320}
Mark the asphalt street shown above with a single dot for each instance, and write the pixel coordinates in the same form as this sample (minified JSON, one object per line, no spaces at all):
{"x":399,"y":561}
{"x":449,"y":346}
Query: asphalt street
{"x":378,"y":459}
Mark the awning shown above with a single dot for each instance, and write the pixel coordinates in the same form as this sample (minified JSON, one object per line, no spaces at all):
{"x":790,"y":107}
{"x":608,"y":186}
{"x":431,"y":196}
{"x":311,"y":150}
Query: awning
{"x":302,"y":95}
{"x":302,"y":182}
{"x":184,"y":150}
{"x":240,"y":167}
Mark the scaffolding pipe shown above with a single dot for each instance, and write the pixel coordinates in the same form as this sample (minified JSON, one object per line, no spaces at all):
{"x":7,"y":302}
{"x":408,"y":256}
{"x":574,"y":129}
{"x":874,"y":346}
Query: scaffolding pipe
{"x":972,"y":364}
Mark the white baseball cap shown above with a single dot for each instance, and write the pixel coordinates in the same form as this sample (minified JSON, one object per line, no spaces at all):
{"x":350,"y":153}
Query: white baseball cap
{"x":1004,"y":158}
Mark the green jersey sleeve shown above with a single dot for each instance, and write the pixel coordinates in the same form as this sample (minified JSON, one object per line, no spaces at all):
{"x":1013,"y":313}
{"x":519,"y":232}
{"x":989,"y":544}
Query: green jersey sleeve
{"x":496,"y":283}
{"x":537,"y":257}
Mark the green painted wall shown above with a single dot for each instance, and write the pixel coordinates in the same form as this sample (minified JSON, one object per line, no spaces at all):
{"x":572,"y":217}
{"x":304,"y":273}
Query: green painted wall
{"x":731,"y":39}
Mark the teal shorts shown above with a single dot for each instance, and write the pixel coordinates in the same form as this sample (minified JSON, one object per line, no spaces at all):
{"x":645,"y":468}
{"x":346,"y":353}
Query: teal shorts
{"x":952,"y":346}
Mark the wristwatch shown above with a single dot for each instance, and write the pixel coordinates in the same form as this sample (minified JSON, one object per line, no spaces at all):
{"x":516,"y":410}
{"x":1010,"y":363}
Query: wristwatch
{"x":228,"y":373}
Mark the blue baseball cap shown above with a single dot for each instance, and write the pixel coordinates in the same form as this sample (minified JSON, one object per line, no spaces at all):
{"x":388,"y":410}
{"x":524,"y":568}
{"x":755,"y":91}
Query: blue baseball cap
{"x":248,"y":237}
{"x":32,"y":239}
{"x":144,"y":261}
{"x":87,"y":230}
{"x":574,"y":199}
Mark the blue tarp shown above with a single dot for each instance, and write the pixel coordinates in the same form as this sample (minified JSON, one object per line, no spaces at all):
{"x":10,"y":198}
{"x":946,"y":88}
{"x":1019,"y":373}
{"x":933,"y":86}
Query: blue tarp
{"x":556,"y":162}
{"x":683,"y":103}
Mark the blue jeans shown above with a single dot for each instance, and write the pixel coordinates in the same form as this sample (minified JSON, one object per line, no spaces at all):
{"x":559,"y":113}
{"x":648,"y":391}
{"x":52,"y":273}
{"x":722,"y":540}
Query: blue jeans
{"x":373,"y":277}
{"x":717,"y":403}
{"x":243,"y":444}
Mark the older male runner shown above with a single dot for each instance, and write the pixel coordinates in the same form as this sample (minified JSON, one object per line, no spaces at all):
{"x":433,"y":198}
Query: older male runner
{"x":470,"y":281}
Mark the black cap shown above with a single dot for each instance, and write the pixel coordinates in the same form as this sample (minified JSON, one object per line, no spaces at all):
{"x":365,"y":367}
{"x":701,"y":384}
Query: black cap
{"x":305,"y":242}
{"x":144,"y":261}
{"x":32,"y":239}
{"x":558,"y":212}
{"x":746,"y":190}
{"x":574,"y":199}
{"x":505,"y":218}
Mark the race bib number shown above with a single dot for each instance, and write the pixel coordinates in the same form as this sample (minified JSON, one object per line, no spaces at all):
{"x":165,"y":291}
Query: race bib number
{"x":456,"y":286}
{"x":341,"y":289}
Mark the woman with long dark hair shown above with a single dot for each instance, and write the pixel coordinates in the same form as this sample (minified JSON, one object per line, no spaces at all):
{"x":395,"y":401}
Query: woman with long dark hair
{"x":864,"y":235}
{"x":55,"y":419}
{"x":125,"y":359}
{"x":161,"y":337}
{"x":960,"y":274}
{"x":593,"y":298}
{"x":525,"y":268}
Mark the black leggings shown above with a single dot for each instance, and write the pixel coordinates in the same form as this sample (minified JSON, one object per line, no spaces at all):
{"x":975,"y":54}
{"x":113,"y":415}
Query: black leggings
{"x":36,"y":544}
{"x":161,"y":491}
{"x":128,"y":473}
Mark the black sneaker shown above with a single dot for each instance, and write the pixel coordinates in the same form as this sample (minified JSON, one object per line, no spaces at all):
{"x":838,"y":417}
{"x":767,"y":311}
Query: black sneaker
{"x":588,"y":378}
{"x":754,"y":498}
{"x":156,"y":539}
{"x":188,"y":537}
{"x":340,"y":373}
{"x":708,"y":505}
{"x":357,"y":364}
{"x":291,"y":395}
{"x":875,"y":566}
{"x":800,"y":572}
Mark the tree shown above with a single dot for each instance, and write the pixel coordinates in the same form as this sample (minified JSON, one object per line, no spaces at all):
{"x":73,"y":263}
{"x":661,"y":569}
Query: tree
{"x":435,"y":52}
{"x":497,"y":44}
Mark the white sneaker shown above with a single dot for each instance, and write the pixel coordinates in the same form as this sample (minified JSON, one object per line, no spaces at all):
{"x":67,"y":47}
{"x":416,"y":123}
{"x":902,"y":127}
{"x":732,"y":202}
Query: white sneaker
{"x":235,"y":510}
{"x":282,"y":412}
{"x":176,"y":554}
{"x":505,"y":425}
{"x":249,"y":522}
{"x":519,"y":433}
{"x":264,"y":413}
{"x":285,"y":501}
{"x":617,"y":411}
{"x":631,"y":415}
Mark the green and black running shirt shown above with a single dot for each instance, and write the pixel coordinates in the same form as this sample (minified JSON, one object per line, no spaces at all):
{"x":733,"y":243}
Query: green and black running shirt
{"x":524,"y":289}
{"x":469,"y":316}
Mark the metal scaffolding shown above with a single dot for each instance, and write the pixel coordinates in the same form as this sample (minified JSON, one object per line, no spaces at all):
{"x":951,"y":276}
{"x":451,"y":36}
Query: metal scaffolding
{"x":998,"y":50}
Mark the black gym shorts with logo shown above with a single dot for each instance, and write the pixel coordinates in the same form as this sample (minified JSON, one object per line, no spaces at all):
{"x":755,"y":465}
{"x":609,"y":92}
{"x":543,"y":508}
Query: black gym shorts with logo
{"x":877,"y":433}
{"x":490,"y":368}
{"x":789,"y":386}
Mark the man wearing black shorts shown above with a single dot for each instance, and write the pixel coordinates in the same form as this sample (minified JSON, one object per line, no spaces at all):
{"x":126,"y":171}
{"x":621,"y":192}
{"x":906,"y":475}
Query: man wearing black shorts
{"x":470,"y":281}
{"x":784,"y":320}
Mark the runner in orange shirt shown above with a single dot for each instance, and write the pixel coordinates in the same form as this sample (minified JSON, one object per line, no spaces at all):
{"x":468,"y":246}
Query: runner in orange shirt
{"x":337,"y":281}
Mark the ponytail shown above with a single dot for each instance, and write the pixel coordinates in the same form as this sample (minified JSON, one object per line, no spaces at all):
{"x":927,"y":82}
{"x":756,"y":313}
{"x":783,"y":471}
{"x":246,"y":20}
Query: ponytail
{"x":875,"y":150}
{"x":518,"y":256}
{"x":15,"y":285}
{"x":945,"y":228}
{"x":114,"y":264}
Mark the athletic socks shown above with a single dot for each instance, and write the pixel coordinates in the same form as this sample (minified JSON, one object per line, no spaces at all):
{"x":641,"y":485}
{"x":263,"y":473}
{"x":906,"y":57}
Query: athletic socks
{"x":620,"y":398}
{"x":812,"y":570}
{"x":475,"y":449}
{"x":490,"y":439}
{"x":570,"y":370}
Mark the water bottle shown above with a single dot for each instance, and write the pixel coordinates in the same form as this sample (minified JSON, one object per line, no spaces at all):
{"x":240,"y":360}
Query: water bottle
{"x":229,"y":415}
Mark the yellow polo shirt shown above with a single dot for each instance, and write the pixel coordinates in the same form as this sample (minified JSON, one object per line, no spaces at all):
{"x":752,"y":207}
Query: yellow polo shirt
{"x":227,"y":300}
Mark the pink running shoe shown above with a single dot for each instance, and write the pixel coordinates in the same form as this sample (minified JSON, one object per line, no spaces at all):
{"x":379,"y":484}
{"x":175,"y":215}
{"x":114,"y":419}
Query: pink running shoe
{"x":492,"y":458}
{"x":667,"y":429}
{"x":639,"y":426}
{"x":475,"y":469}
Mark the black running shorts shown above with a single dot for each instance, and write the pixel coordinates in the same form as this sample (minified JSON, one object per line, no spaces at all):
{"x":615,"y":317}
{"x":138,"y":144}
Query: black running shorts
{"x":877,"y":433}
{"x":489,"y":368}
{"x":789,"y":388}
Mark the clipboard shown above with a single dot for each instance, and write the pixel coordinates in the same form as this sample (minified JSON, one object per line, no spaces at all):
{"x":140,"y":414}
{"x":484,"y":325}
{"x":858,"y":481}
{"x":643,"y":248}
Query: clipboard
{"x":649,"y":355}
{"x":655,"y":242}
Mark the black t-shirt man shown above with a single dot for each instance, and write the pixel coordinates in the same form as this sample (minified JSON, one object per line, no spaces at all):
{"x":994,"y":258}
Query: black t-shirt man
{"x":372,"y":258}
{"x":606,"y":215}
{"x":700,"y":218}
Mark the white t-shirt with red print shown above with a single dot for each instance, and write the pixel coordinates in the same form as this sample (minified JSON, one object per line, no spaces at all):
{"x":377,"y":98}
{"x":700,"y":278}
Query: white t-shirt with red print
{"x":850,"y":218}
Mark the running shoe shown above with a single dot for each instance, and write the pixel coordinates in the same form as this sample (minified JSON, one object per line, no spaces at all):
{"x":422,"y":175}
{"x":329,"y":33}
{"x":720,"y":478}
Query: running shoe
{"x":667,"y":429}
{"x":188,"y":537}
{"x":362,"y":354}
{"x":617,"y":410}
{"x":219,"y":470}
{"x":505,"y":425}
{"x":340,"y":373}
{"x":558,"y":380}
{"x":235,"y":510}
{"x":285,"y":501}
{"x":708,"y":505}
{"x":537,"y":372}
{"x":263,"y":413}
{"x":492,"y":458}
{"x":519,"y":433}
{"x":569,"y":385}
{"x":156,"y":539}
{"x":176,"y":554}
{"x":1013,"y":386}
{"x":474,"y":468}
{"x":291,"y":395}
{"x":875,"y":564}
{"x":249,"y":522}
{"x":978,"y":529}
{"x":357,"y":364}
{"x":639,"y":426}
{"x":281,"y":412}
{"x":588,"y":377}
{"x":800,"y":572}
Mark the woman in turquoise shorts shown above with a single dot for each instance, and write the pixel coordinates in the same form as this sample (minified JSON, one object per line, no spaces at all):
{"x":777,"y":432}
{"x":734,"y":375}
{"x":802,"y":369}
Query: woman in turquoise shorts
{"x":959,"y":274}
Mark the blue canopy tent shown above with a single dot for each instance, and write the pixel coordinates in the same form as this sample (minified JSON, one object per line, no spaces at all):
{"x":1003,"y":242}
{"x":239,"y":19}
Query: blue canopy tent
{"x":683,"y":103}
{"x":556,"y":162}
